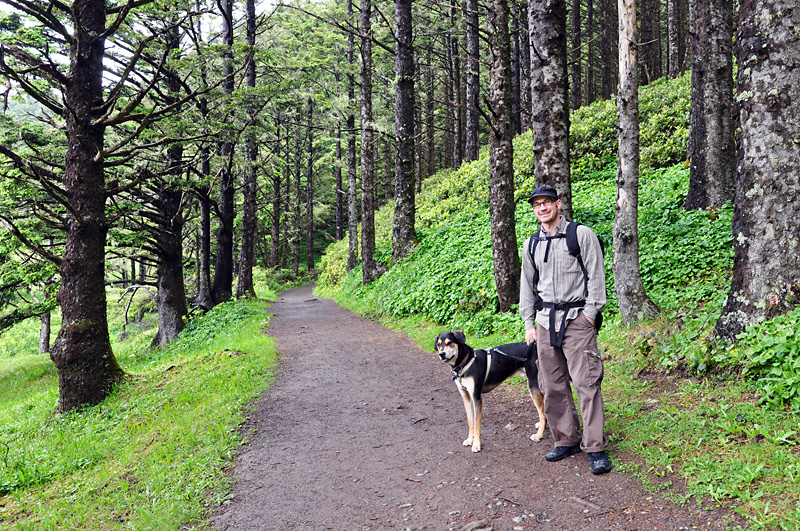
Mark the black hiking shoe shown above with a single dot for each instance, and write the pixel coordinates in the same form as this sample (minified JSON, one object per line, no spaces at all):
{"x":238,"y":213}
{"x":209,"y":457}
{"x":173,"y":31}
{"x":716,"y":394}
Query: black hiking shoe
{"x":560,"y":452}
{"x":599,"y":463}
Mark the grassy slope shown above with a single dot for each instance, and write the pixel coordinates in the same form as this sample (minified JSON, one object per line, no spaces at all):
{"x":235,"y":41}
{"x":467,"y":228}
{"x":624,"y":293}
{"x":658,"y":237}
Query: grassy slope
{"x":151,"y":456}
{"x":695,"y":436}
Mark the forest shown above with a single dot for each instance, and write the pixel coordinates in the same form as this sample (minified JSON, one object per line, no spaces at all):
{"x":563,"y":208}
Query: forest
{"x":161,"y":160}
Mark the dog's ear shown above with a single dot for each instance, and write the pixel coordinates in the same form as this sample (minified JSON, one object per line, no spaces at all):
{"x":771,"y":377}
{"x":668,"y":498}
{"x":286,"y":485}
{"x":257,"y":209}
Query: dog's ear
{"x":436,"y":343}
{"x":460,"y":337}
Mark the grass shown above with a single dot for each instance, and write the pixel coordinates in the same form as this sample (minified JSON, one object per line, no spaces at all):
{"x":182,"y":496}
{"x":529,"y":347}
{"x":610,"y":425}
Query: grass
{"x":152,"y":455}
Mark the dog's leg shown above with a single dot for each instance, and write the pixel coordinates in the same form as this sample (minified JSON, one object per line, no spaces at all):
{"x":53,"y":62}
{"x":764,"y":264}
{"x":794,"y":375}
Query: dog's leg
{"x":538,"y":401}
{"x":477,"y":406}
{"x":465,"y":396}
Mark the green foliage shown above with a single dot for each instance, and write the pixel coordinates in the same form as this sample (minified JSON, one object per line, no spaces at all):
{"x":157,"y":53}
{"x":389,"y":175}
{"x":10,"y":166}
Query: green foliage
{"x":710,"y":436}
{"x":770,"y":354}
{"x":664,"y":129}
{"x":153,"y":454}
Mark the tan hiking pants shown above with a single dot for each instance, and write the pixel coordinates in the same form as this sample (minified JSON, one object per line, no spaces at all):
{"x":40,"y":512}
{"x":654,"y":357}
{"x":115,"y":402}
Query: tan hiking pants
{"x":578,"y":359}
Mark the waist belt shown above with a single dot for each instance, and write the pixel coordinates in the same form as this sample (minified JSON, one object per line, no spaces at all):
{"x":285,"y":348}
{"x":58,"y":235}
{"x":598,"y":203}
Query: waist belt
{"x":556,"y":340}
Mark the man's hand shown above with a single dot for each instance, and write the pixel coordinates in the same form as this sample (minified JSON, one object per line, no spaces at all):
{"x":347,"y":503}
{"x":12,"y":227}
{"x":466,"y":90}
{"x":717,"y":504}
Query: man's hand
{"x":530,"y":335}
{"x":589,"y":319}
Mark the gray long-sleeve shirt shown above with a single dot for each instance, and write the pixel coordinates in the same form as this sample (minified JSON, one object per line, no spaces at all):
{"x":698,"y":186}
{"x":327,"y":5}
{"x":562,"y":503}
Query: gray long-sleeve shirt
{"x":561,"y":278}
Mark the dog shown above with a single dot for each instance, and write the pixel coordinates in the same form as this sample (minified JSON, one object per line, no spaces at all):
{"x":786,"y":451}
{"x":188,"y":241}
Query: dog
{"x":478,"y":371}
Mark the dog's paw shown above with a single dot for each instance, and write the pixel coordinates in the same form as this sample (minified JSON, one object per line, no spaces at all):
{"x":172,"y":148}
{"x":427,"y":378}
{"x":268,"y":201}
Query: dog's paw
{"x":467,"y":441}
{"x":476,"y":448}
{"x":536,"y":437}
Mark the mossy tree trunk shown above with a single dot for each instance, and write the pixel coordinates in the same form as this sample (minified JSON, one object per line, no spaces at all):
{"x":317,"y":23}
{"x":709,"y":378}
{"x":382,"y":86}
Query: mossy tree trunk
{"x":766,"y":214}
{"x":549,"y":100}
{"x":87,"y":368}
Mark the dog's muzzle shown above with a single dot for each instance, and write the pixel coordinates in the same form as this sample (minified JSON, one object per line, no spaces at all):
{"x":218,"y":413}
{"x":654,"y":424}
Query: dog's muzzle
{"x":444,"y":357}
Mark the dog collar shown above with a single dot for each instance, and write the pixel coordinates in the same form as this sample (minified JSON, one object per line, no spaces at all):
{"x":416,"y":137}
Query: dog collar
{"x":457,"y":373}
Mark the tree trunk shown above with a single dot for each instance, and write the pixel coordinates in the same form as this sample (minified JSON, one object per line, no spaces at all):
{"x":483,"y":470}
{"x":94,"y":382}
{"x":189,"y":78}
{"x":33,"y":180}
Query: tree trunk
{"x":516,"y":125}
{"x":766,"y":224}
{"x":673,"y":65}
{"x":501,"y":163}
{"x":247,"y":249}
{"x":634,"y":304}
{"x":310,"y":190}
{"x":87,"y":368}
{"x":473,"y":87}
{"x":591,"y":89}
{"x":389,"y":159}
{"x":204,"y":299}
{"x":608,"y":21}
{"x":275,"y":216}
{"x":430,"y":148}
{"x":222,"y":288}
{"x":403,"y":233}
{"x":352,"y":184}
{"x":458,"y":101}
{"x":575,"y":58}
{"x":44,"y":333}
{"x":550,"y":103}
{"x":712,"y":147}
{"x":525,"y":68}
{"x":449,"y":103}
{"x":171,"y":294}
{"x":368,"y":177}
{"x":296,"y":228}
{"x":340,"y":193}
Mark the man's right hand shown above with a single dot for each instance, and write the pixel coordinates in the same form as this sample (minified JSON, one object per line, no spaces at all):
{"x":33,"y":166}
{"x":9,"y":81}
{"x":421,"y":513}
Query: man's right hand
{"x":530,"y":335}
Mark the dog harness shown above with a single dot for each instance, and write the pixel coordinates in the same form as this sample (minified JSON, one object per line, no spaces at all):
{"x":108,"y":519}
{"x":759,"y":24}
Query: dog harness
{"x":458,"y":373}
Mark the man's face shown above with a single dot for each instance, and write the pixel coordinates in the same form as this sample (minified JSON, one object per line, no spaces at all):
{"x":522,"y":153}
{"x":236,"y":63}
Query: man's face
{"x":546,"y":209}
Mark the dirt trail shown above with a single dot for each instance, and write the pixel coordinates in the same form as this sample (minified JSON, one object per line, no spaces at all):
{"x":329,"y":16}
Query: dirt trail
{"x":362,"y":430}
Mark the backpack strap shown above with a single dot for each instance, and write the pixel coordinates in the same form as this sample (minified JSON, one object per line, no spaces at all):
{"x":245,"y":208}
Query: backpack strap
{"x":575,"y":250}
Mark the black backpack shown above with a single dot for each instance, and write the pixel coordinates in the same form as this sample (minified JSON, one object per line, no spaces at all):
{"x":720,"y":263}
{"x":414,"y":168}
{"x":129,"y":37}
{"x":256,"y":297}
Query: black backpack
{"x":574,"y":249}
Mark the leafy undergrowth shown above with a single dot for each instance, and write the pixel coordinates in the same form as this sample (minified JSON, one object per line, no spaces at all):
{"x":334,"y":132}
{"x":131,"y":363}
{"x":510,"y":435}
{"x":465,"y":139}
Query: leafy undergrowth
{"x":152,"y":455}
{"x":702,"y":421}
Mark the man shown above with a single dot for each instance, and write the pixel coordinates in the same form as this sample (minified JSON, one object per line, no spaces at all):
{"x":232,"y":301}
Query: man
{"x":559,"y":304}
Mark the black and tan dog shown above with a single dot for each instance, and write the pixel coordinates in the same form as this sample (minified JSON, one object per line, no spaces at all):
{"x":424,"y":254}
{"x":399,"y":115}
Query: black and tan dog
{"x":478,"y":371}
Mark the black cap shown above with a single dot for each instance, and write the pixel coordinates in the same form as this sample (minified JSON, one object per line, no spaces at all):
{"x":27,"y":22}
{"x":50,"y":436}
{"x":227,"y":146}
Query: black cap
{"x":543,"y":191}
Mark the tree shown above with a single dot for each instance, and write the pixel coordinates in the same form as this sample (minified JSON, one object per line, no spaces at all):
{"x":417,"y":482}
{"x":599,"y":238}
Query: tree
{"x":712,"y":170}
{"x":634,"y":304}
{"x":310,"y":189}
{"x":168,"y":220}
{"x":352,"y":184}
{"x":247,"y":258}
{"x":608,"y":31}
{"x":549,"y":86}
{"x":472,"y":129}
{"x":403,"y":234}
{"x":673,"y":64}
{"x":368,"y":173}
{"x":766,"y":264}
{"x":501,"y":171}
{"x":222,"y":287}
{"x":575,"y":59}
